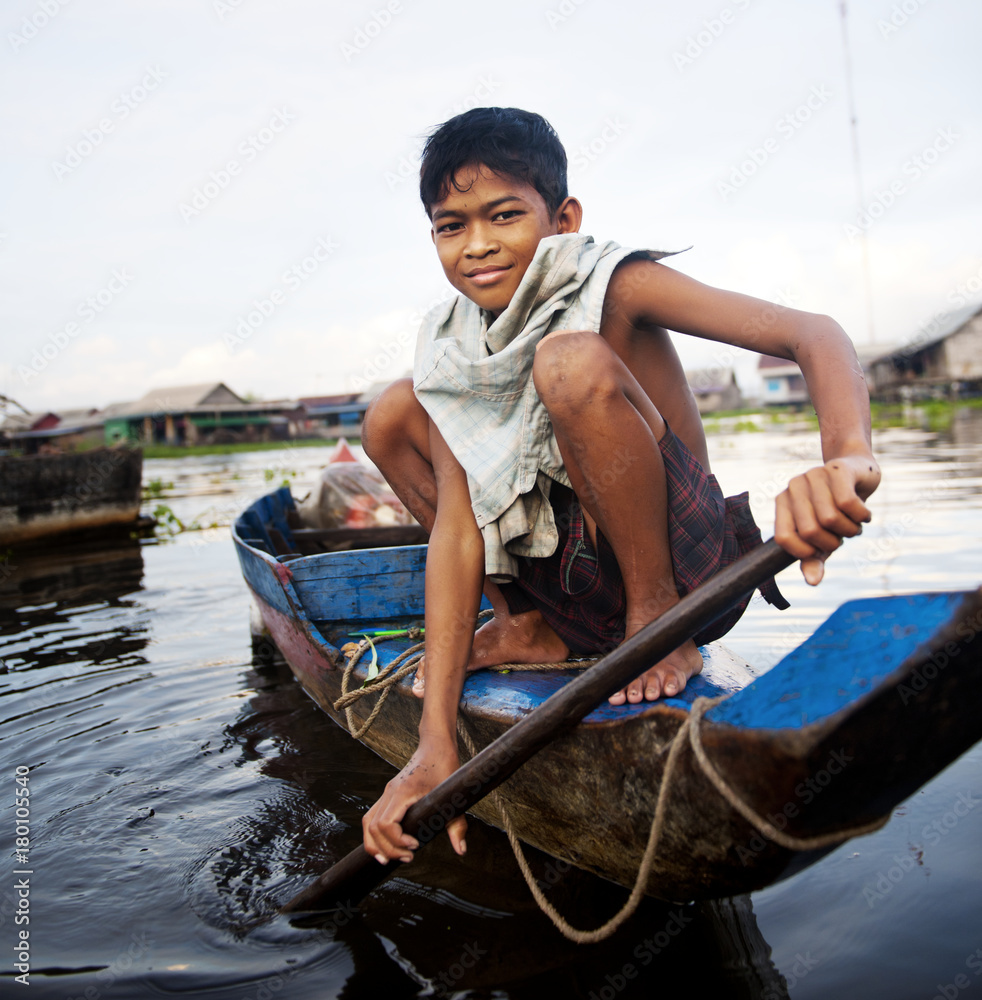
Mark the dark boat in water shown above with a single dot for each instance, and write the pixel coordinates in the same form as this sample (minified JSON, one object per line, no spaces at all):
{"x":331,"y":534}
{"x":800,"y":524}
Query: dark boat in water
{"x":42,"y":496}
{"x":882,"y":697}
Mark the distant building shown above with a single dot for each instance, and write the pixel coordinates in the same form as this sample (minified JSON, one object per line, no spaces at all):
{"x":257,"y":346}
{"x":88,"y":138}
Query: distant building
{"x":948,"y":361}
{"x":715,"y":389}
{"x":343,"y":412}
{"x":65,"y":430}
{"x":209,"y":413}
{"x":783,"y":383}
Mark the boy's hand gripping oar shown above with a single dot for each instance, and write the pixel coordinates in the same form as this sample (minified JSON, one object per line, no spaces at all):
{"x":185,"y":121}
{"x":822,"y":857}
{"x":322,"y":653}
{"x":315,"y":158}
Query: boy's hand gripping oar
{"x":356,"y":874}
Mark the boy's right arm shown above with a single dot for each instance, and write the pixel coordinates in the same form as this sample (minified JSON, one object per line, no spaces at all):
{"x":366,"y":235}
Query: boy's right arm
{"x":454,"y":579}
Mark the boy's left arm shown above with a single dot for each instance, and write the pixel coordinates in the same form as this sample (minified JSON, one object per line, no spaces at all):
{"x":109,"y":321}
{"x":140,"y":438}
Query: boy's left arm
{"x":826,"y":503}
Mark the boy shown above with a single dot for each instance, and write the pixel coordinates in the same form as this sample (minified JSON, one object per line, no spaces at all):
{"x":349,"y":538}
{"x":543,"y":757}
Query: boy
{"x":551,"y":445}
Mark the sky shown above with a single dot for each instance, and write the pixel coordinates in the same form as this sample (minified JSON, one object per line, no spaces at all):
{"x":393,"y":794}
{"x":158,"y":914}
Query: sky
{"x":225,"y":190}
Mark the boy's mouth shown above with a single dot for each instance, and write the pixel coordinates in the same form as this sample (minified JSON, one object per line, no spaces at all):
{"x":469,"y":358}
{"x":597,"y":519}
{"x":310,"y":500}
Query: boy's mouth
{"x":487,"y":275}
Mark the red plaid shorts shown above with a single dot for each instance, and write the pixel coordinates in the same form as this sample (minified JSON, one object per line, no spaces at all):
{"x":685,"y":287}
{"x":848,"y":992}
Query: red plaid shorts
{"x":579,"y":590}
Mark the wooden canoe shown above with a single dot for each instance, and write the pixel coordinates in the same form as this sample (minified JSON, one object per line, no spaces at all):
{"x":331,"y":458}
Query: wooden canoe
{"x":53,"y":495}
{"x":884,"y":695}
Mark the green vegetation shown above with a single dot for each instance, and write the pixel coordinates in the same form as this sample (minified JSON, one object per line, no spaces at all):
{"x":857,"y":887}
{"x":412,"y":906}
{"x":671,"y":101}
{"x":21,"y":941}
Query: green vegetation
{"x":168,"y":523}
{"x":929,"y":414}
{"x":270,"y":474}
{"x":183,"y":451}
{"x":723,"y":422}
{"x":156,"y":489}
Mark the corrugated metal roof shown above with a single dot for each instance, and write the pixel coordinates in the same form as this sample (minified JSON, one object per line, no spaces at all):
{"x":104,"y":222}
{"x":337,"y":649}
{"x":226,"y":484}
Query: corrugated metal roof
{"x":947,"y":324}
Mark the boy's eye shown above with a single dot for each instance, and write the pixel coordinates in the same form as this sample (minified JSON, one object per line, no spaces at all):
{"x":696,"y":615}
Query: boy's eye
{"x":507,"y":214}
{"x":449,"y":227}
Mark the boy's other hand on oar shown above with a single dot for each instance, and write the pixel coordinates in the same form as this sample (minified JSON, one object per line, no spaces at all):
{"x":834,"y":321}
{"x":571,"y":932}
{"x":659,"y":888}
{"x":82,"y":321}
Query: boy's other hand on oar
{"x":384,"y":838}
{"x":821,"y":507}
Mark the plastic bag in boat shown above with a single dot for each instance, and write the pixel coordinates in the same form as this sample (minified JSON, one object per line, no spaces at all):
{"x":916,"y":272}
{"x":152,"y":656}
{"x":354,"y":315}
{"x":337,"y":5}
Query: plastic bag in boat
{"x":351,"y":494}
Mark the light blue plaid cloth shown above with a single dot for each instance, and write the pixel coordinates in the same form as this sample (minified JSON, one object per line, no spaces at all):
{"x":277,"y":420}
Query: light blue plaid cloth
{"x":475,"y":382}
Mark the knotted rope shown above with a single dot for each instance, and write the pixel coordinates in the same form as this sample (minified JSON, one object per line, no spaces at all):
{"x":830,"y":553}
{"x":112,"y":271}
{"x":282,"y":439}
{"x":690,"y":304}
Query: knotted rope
{"x":403,"y":665}
{"x":688,"y":732}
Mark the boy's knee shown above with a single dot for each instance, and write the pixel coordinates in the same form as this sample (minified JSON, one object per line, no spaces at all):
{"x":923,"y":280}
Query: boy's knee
{"x":572,"y":365}
{"x":388,"y":416}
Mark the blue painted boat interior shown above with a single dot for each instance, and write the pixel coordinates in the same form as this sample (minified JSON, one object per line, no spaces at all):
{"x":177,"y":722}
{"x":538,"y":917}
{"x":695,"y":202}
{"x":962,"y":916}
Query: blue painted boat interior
{"x":344,"y":593}
{"x":847,"y":656}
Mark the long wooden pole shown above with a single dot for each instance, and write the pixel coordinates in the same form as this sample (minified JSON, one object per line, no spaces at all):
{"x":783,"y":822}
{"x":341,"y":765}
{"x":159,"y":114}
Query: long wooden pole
{"x":356,"y":874}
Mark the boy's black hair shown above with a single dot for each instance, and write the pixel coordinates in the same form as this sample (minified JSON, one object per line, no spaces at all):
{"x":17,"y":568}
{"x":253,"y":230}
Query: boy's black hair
{"x":509,"y":141}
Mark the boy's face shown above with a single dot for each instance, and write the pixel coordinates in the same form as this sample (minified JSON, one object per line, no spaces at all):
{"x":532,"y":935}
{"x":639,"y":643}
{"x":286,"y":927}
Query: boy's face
{"x":487,"y":234}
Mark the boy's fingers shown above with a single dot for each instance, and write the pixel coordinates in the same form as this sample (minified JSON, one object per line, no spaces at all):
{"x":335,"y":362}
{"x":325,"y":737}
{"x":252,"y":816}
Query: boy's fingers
{"x":383,"y":834}
{"x":813,"y":568}
{"x":456,"y":830}
{"x":842,"y":480}
{"x":811,"y":502}
{"x":785,"y":533}
{"x":825,"y":493}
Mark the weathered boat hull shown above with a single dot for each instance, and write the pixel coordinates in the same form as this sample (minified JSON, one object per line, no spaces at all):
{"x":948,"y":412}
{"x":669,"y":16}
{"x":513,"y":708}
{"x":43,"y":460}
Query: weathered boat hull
{"x":823,"y":743}
{"x":52,"y":495}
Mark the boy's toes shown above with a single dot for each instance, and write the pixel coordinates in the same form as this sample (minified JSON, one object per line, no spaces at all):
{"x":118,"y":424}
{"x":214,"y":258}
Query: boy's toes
{"x":652,"y":689}
{"x":618,"y":698}
{"x":419,"y":685}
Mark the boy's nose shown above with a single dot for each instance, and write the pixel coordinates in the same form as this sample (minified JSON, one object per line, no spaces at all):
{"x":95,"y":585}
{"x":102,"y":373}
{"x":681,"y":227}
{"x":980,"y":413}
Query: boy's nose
{"x":480,"y":242}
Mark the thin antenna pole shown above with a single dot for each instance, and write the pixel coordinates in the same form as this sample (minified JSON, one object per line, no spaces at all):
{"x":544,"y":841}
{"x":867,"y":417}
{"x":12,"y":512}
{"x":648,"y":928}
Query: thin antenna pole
{"x":857,"y":171}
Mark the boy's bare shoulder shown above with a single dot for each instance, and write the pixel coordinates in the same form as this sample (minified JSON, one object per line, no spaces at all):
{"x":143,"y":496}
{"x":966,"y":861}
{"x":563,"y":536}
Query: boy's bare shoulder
{"x":631,"y":293}
{"x":631,"y":328}
{"x":634,"y":287}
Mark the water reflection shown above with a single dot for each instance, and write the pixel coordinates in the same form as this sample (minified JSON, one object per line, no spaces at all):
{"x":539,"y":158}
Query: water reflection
{"x":184,"y":785}
{"x":454,"y":924}
{"x":71,"y":574}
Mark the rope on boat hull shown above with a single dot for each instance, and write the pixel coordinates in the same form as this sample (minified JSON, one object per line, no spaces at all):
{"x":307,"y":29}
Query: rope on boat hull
{"x":688,"y":732}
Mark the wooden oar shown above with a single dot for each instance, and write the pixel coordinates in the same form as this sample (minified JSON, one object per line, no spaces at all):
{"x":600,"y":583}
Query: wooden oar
{"x":356,"y":874}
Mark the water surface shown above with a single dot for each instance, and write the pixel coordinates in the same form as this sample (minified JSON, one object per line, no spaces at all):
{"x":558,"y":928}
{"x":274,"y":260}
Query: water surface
{"x":181,"y":783}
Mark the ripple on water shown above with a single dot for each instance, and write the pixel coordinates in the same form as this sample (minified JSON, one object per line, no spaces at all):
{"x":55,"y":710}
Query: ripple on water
{"x":179,"y":791}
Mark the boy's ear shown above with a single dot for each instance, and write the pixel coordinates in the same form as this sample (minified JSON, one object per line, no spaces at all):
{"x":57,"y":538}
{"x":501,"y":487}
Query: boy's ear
{"x":569,"y":216}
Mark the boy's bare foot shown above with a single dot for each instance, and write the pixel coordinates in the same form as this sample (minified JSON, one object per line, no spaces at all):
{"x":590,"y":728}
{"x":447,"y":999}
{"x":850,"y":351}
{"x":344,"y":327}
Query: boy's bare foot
{"x":668,"y":677}
{"x":524,"y":638}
